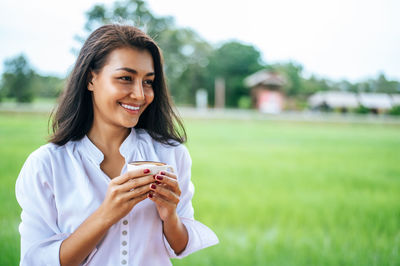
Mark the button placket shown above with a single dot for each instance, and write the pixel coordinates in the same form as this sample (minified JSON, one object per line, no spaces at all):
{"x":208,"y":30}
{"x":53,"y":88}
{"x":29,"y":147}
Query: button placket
{"x":124,"y":241}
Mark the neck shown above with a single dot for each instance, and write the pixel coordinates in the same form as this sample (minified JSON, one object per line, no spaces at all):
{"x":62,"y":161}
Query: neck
{"x":107,"y":138}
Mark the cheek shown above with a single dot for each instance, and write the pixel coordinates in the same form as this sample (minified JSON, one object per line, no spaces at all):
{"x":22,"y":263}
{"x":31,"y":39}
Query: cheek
{"x":149,"y":96}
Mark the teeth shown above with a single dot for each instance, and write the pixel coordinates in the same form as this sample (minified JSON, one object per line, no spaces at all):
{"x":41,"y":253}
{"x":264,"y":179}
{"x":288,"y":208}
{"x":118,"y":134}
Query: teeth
{"x":130,"y":107}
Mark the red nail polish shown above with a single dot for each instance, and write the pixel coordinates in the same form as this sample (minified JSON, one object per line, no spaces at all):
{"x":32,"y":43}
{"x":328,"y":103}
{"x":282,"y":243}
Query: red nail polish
{"x":163,"y":173}
{"x":158,"y":182}
{"x":159,"y":177}
{"x":150,"y":195}
{"x":153,"y":186}
{"x":146,"y":171}
{"x":154,"y":176}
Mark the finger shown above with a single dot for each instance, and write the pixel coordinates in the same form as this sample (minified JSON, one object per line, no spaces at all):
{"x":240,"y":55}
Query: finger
{"x":165,"y":193}
{"x":130,"y":175}
{"x":138,"y":192}
{"x":140,"y":198}
{"x":134,"y":183}
{"x":115,"y":190}
{"x":137,"y":182}
{"x":160,"y":200}
{"x":169,"y":182}
{"x":169,"y":174}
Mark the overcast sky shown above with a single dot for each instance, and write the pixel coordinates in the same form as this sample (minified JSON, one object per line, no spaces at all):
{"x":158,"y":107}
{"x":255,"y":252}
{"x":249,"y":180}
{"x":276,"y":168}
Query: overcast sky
{"x":333,"y":39}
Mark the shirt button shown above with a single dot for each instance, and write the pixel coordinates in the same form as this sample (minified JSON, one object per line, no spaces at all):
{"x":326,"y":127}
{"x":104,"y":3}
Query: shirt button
{"x":124,"y":232}
{"x":124,"y":252}
{"x":125,"y":222}
{"x":123,"y":262}
{"x":124,"y":243}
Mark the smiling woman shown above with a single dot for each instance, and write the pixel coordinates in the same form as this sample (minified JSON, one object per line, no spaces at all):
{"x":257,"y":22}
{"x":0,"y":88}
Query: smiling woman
{"x":79,"y":203}
{"x":123,"y":88}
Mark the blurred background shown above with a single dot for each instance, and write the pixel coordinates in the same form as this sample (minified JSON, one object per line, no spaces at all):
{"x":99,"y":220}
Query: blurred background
{"x":292,"y":110}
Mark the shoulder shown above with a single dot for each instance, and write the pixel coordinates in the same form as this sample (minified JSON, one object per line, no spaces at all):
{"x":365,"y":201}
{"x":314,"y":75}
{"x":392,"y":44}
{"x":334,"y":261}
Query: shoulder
{"x":38,"y":166}
{"x":47,"y":152}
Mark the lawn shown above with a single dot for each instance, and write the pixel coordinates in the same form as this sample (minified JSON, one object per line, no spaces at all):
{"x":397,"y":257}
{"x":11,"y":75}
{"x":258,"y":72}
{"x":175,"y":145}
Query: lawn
{"x":276,"y":193}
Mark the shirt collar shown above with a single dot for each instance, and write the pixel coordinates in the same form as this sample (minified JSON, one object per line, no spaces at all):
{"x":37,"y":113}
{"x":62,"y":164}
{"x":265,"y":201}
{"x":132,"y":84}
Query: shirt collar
{"x":126,"y":149}
{"x":91,"y":150}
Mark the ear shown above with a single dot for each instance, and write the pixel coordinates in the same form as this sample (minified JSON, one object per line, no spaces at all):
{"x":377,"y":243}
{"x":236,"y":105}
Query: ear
{"x":90,"y":86}
{"x":91,"y":78}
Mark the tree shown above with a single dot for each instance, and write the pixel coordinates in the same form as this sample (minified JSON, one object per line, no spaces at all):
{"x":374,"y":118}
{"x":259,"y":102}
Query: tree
{"x":293,"y":72}
{"x":233,"y":61}
{"x":313,"y":85}
{"x":386,"y":86}
{"x":2,"y":89}
{"x":47,"y":86}
{"x":17,"y":79}
{"x":189,"y":58}
{"x":134,"y":12}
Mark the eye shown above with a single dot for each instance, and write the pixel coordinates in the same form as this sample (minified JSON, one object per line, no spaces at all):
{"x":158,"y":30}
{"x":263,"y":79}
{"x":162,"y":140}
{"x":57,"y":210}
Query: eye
{"x":149,"y":82}
{"x":125,"y":78}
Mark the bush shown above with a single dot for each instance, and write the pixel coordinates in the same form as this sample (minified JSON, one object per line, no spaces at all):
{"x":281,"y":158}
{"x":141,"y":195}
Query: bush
{"x":395,"y":110}
{"x":361,"y":110}
{"x":244,"y":102}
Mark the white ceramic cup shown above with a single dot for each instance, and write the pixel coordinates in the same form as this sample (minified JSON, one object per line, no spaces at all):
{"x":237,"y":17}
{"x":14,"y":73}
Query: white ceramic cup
{"x":154,"y":167}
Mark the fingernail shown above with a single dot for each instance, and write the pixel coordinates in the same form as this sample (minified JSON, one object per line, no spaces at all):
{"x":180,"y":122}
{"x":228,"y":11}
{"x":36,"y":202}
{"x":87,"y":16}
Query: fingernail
{"x":146,"y":171}
{"x":153,"y":186}
{"x":163,"y":173}
{"x":150,"y":195}
{"x":154,"y":176}
{"x":159,"y":177}
{"x":158,"y":182}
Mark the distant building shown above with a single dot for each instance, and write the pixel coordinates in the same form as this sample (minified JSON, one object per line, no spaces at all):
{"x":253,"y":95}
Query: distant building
{"x":339,"y":100}
{"x":266,"y":91}
{"x":396,"y":99}
{"x":376,"y":102}
{"x":344,"y":101}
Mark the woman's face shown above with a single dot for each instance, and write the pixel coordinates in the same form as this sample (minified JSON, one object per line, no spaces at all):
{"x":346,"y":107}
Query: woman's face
{"x":123,"y":88}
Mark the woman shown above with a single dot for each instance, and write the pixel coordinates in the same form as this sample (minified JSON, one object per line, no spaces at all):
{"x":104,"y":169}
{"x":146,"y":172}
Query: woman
{"x":79,"y":204}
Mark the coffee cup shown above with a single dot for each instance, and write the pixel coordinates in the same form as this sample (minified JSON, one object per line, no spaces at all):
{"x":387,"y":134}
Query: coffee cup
{"x":154,"y":167}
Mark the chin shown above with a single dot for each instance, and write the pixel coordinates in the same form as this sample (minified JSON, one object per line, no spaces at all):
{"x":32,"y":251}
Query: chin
{"x":130,"y":124}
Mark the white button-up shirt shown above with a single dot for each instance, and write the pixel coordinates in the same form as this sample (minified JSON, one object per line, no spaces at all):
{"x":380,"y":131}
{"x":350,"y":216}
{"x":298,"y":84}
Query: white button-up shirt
{"x":60,"y":186}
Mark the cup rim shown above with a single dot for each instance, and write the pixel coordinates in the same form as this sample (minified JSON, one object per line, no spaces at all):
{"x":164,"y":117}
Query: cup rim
{"x":138,"y":163}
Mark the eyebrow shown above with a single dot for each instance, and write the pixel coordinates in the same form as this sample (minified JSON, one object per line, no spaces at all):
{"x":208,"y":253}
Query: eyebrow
{"x":130,"y":70}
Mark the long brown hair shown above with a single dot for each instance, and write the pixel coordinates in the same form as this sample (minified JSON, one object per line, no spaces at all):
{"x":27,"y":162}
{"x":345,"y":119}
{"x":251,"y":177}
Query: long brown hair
{"x":73,"y":117}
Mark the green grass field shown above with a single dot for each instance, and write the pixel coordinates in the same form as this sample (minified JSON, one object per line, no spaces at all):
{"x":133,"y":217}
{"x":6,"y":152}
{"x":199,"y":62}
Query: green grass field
{"x":276,"y":193}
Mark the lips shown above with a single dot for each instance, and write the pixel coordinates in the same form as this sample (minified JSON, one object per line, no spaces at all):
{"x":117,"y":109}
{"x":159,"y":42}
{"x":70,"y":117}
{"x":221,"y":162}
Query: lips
{"x":130,"y":107}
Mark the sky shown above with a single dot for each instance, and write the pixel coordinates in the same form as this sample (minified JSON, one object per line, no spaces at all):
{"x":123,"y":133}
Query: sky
{"x":339,"y":39}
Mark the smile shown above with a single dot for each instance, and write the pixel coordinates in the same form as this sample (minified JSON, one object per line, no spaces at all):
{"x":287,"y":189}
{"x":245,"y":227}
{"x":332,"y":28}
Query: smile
{"x":130,"y":107}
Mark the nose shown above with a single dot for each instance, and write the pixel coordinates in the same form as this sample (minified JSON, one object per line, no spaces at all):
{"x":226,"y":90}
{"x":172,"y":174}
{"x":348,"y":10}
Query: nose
{"x":137,"y":92}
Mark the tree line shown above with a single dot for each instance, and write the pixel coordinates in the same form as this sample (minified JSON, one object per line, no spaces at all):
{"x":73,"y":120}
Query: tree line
{"x":21,"y":82}
{"x":191,"y":63}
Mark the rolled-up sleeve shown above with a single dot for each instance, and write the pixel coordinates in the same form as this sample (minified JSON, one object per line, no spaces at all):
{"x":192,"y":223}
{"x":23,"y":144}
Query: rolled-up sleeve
{"x":200,"y":236}
{"x":40,"y":235}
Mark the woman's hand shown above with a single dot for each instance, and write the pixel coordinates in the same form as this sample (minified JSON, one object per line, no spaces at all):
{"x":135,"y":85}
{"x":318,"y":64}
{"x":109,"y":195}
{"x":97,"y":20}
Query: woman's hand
{"x":165,"y":193}
{"x":123,"y":193}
